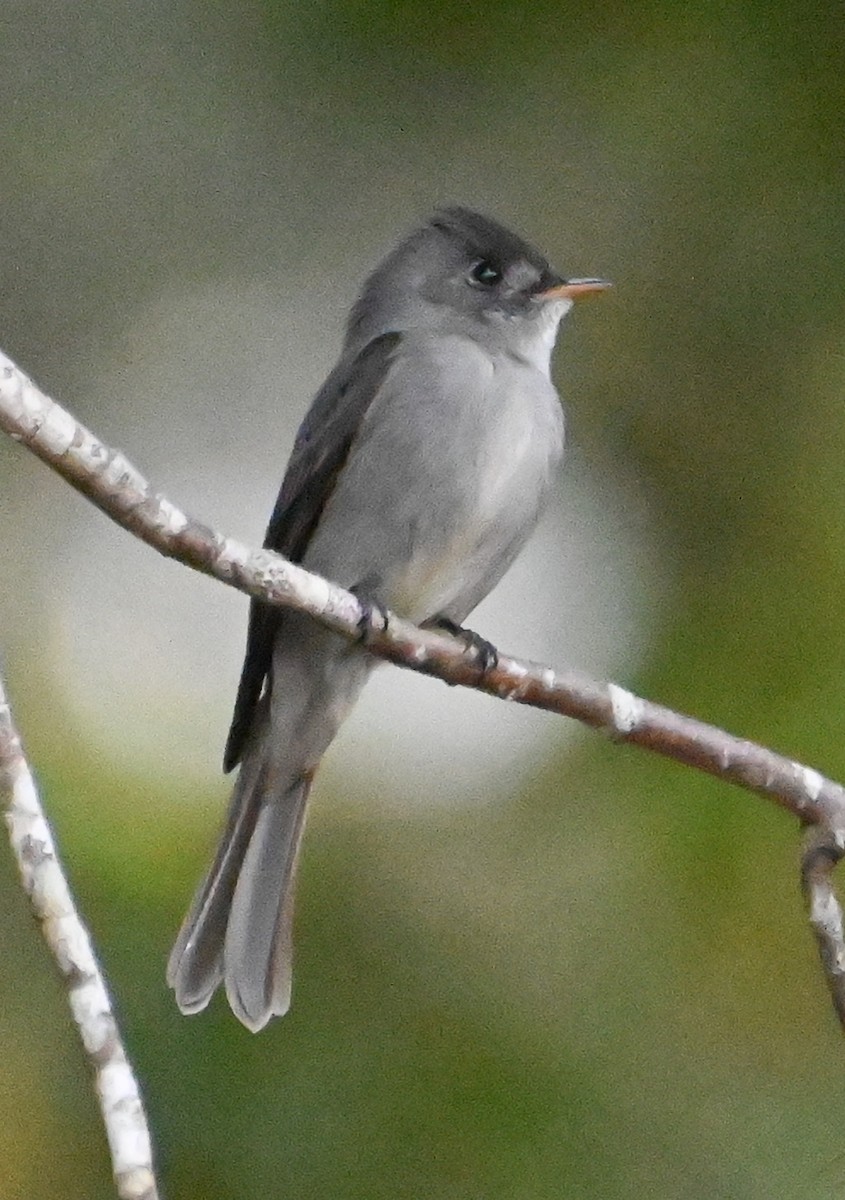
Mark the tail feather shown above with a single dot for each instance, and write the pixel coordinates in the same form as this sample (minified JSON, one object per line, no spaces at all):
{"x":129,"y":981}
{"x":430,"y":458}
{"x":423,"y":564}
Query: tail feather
{"x":258,"y":950}
{"x":238,"y":931}
{"x":195,"y":967}
{"x":239,"y":927}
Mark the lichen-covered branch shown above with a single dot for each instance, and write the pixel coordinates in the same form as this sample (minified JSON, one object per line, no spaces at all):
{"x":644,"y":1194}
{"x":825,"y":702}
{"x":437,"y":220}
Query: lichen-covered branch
{"x":119,"y":489}
{"x":70,"y":945}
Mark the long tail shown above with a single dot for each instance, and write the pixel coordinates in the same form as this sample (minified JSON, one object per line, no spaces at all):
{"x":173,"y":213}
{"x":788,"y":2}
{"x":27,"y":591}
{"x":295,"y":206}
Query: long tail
{"x":238,"y":931}
{"x":239,"y":928}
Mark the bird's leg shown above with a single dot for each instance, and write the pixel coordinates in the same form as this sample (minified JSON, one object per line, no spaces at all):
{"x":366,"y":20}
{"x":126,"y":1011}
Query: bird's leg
{"x":372,"y":616}
{"x":485,"y":652}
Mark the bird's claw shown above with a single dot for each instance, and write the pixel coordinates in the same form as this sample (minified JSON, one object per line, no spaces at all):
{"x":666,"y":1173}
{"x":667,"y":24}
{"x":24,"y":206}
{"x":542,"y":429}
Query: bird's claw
{"x":373,"y":619}
{"x":486,"y":654}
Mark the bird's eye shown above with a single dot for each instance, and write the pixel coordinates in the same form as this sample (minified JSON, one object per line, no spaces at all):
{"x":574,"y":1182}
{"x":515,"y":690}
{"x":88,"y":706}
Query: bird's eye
{"x":485,"y":273}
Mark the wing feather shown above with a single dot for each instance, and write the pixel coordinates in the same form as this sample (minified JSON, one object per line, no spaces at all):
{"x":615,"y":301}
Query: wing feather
{"x":320,"y":450}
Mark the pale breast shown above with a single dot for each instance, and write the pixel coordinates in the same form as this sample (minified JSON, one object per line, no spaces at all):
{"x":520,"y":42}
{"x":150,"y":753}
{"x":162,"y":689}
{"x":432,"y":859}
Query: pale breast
{"x":444,"y":481}
{"x":512,"y":445}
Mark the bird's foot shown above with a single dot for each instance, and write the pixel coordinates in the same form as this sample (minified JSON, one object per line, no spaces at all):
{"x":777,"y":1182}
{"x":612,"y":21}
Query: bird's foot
{"x":373,"y":619}
{"x":486,"y":654}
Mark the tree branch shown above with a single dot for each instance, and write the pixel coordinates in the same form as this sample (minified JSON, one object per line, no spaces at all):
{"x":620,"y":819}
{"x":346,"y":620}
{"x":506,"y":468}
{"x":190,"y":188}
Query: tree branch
{"x":107,"y":478}
{"x":70,"y":945}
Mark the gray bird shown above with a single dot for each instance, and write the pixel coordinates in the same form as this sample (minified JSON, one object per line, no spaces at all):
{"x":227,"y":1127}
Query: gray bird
{"x":415,"y":479}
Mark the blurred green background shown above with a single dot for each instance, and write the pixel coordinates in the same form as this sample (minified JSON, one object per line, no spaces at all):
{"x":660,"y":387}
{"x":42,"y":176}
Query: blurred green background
{"x":598,"y":982}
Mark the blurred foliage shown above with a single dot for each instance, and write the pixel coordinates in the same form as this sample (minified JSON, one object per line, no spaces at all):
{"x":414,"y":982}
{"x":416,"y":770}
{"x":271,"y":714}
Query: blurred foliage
{"x":605,"y":989}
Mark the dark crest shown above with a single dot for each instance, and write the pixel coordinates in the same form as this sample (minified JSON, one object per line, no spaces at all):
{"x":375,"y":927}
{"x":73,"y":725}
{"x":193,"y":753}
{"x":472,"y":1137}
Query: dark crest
{"x":485,"y":238}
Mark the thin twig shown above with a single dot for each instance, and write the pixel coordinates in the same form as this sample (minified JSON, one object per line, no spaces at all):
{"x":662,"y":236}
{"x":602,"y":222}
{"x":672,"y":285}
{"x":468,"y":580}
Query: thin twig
{"x":823,"y":849}
{"x":107,"y":478}
{"x":70,"y":945}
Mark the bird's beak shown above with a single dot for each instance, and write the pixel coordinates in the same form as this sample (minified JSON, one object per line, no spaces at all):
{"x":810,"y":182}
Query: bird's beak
{"x":574,"y":289}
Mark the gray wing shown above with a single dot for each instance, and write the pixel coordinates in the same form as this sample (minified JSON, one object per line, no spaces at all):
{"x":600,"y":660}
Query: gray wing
{"x":320,"y":450}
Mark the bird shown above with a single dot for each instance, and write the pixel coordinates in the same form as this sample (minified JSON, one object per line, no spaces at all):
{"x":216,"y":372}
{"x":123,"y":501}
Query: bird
{"x":415,"y":479}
